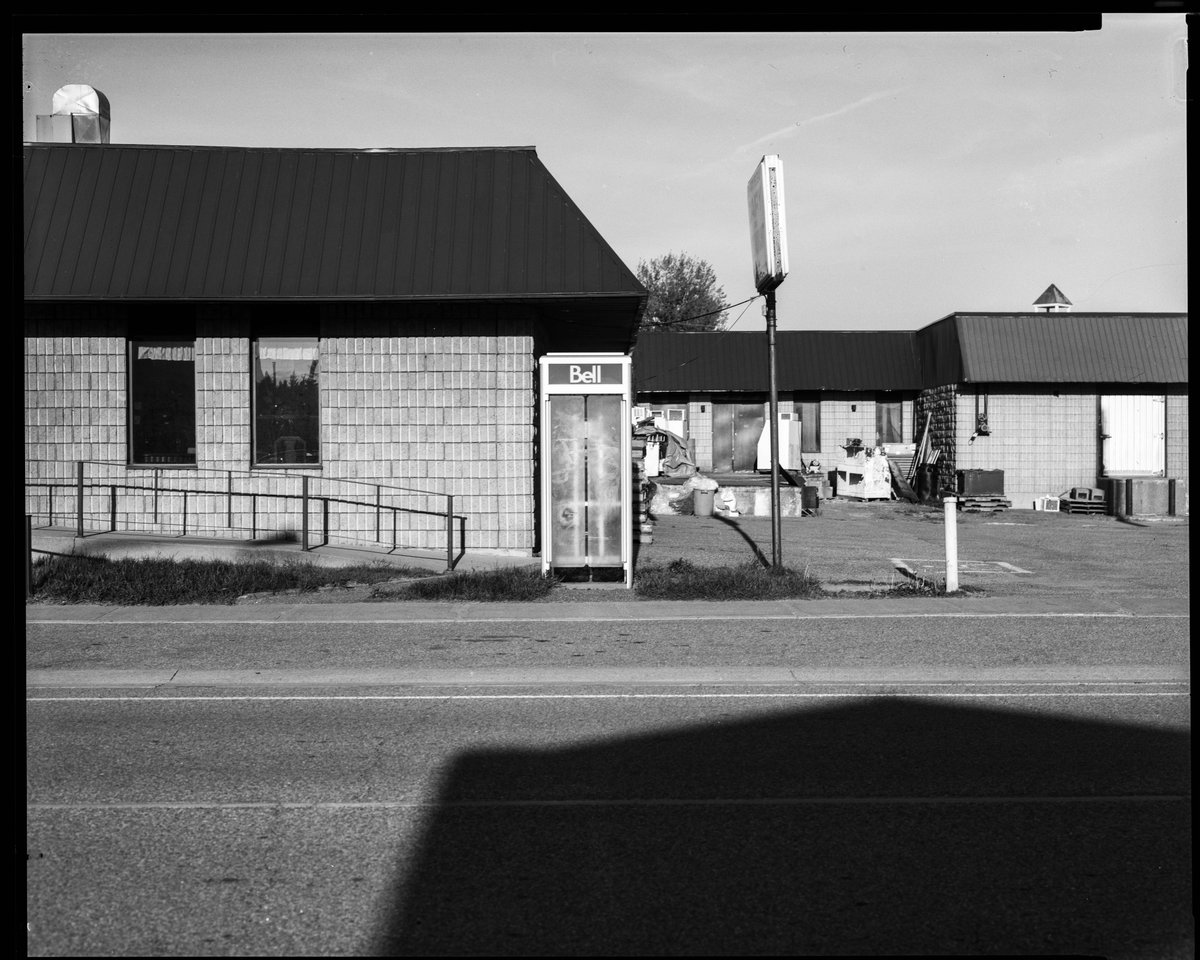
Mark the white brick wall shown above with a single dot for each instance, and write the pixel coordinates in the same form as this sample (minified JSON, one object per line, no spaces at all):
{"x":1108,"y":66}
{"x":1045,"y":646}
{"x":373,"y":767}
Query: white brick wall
{"x":453,"y":415}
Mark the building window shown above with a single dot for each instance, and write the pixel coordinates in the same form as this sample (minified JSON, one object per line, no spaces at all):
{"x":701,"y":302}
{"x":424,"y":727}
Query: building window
{"x":162,"y":402}
{"x":286,"y":401}
{"x":888,"y":425}
{"x":809,"y":412}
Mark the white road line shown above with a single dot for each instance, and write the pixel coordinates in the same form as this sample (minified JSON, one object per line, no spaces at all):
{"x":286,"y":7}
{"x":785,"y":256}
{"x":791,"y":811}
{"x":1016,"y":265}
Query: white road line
{"x":616,"y":696}
{"x":621,"y":802}
{"x":678,"y":618}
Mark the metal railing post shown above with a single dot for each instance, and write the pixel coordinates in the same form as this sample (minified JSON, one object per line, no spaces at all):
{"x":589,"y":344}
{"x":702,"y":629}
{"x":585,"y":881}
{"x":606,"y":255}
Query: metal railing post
{"x":325,"y":521}
{"x":79,"y":498}
{"x":229,"y":499}
{"x":112,"y":508}
{"x":377,"y":531}
{"x":449,"y":533}
{"x":254,"y":516}
{"x":184,"y":534}
{"x":28,"y":556}
{"x":304,"y":512}
{"x":49,"y":504}
{"x":156,"y":498}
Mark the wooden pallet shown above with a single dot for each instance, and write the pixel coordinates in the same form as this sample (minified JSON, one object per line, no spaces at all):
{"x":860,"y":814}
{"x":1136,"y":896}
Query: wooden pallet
{"x":983,"y":504}
{"x":1082,"y":506}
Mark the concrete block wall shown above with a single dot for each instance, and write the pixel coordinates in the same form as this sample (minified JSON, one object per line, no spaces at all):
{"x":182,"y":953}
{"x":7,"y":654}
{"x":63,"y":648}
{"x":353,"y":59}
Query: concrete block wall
{"x":75,"y":398}
{"x":1177,"y":434}
{"x":940,"y":405}
{"x":846,"y":414}
{"x":449,"y":415}
{"x":1045,"y":444}
{"x":222,"y":396}
{"x":452,"y":415}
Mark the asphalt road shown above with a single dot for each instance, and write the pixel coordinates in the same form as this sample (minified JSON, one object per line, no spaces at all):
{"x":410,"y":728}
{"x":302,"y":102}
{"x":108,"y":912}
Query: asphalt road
{"x":847,"y":786}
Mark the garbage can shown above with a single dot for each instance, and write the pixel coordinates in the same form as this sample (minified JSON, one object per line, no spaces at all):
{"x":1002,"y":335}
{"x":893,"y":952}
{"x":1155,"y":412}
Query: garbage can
{"x":702,"y":502}
{"x":926,"y":482}
{"x":809,"y":500}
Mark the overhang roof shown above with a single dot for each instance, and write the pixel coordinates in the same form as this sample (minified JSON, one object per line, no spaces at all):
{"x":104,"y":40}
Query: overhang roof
{"x":121,"y":222}
{"x":1073,"y":347}
{"x":736,"y":361}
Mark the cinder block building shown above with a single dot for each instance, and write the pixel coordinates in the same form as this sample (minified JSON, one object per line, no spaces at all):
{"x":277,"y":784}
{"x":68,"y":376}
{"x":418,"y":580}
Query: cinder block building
{"x":228,"y":321}
{"x":840,"y":384}
{"x":1057,"y":400}
{"x":1054,"y":399}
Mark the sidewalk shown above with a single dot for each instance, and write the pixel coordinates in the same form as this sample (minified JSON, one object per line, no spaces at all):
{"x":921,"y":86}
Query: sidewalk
{"x":1011,"y":562}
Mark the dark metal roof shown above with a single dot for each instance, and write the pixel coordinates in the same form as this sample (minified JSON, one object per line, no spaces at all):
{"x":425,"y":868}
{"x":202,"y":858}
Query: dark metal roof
{"x":1073,"y":347}
{"x":229,"y":223}
{"x":804,"y":360}
{"x":960,"y":348}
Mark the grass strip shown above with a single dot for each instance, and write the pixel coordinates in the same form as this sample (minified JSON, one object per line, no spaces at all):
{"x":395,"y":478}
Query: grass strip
{"x":489,"y":586}
{"x":161,"y":581}
{"x":683,"y":580}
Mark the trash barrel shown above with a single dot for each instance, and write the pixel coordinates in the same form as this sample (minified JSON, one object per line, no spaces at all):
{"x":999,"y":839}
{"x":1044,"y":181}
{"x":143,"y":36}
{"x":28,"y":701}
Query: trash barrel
{"x":809,"y":499}
{"x":702,"y":502}
{"x":926,"y":480}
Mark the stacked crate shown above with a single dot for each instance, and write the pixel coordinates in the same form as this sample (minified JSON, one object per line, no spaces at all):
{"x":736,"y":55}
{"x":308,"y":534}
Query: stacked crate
{"x":982,"y":491}
{"x":643,"y":526}
{"x":1083,"y":500}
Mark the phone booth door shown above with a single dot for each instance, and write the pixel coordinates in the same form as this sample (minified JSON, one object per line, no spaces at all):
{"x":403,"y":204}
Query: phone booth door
{"x":586,"y":466}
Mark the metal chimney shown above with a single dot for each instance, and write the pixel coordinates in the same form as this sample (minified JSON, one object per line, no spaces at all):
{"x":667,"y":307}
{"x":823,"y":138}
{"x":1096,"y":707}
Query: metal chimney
{"x":79,"y":115}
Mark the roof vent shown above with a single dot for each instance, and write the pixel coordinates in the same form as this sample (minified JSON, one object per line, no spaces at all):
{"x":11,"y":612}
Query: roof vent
{"x":79,"y":115}
{"x":1053,"y":301}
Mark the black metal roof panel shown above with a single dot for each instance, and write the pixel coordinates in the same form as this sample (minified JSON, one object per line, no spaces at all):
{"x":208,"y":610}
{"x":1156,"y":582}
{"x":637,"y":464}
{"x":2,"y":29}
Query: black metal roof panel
{"x":736,"y":361}
{"x":168,"y":222}
{"x":1073,"y":348}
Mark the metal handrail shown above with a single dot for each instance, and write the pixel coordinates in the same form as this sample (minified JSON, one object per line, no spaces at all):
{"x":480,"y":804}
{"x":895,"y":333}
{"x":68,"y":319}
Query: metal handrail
{"x":82,"y":486}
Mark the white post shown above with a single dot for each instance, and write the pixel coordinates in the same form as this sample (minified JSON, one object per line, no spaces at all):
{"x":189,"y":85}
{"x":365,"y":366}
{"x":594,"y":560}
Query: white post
{"x":951,"y":507}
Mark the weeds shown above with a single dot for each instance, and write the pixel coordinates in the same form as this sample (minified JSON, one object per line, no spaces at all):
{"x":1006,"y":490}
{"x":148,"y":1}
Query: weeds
{"x":683,"y":580}
{"x":509,"y":584}
{"x":161,"y":581}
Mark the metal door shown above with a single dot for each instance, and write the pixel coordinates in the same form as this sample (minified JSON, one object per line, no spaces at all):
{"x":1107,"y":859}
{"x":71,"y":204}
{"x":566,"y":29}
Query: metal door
{"x":1133,"y":431}
{"x":736,"y":430}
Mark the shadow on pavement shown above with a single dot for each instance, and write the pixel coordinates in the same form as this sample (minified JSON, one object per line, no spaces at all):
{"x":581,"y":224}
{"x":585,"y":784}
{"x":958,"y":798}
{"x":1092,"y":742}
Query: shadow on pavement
{"x":729,"y":838}
{"x":758,"y":554}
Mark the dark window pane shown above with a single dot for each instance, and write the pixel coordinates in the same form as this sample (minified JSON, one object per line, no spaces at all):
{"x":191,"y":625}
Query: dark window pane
{"x":810,"y":425}
{"x":887,"y":422}
{"x":162,"y":402}
{"x":286,"y":401}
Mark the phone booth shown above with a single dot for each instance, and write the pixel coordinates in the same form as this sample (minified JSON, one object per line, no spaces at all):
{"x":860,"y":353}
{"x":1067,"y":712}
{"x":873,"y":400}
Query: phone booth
{"x":587,"y":467}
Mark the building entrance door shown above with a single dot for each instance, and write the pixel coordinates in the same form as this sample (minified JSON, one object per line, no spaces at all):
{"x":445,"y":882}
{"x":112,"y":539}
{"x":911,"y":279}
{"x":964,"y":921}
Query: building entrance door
{"x":737,"y":428}
{"x":1133,"y":432}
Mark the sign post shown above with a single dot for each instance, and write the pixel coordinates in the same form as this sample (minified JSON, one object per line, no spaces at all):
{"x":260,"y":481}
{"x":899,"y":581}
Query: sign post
{"x":768,"y":245}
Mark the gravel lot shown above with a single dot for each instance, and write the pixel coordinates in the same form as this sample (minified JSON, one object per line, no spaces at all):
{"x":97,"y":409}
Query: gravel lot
{"x":852,"y":544}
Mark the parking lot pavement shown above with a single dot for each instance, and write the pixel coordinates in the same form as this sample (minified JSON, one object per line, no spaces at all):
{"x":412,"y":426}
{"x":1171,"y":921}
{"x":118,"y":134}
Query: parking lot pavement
{"x":851,"y":545}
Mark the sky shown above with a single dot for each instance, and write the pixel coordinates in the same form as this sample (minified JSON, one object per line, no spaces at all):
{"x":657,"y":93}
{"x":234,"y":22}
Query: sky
{"x":924,"y":172}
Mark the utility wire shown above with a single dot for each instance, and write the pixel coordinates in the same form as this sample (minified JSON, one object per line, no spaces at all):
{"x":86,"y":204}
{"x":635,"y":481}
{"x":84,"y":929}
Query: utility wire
{"x":700,"y":316}
{"x":728,"y":329}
